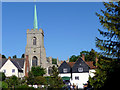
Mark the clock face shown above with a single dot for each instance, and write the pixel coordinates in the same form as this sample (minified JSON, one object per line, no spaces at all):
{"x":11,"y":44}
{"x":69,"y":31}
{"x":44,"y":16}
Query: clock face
{"x":80,"y":69}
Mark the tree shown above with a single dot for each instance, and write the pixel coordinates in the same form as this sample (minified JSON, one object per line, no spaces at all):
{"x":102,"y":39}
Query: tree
{"x":3,"y":84}
{"x":15,"y":56}
{"x":55,"y":81}
{"x":30,"y":79}
{"x":3,"y":56}
{"x":23,"y":56}
{"x":40,"y":80}
{"x":54,"y":61}
{"x":38,"y":71}
{"x":108,"y":66}
{"x":2,"y":76}
{"x":73,"y":58}
{"x":12,"y":81}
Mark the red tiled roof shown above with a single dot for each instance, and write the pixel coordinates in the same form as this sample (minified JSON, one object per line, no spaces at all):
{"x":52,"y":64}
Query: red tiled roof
{"x":71,"y":64}
{"x":90,"y":64}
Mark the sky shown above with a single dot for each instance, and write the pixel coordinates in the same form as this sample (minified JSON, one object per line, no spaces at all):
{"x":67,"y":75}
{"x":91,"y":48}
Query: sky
{"x":69,"y":27}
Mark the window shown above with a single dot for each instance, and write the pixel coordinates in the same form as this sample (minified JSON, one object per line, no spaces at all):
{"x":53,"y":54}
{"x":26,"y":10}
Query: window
{"x":4,"y":71}
{"x":76,"y":77}
{"x":34,"y":41}
{"x":80,"y":69}
{"x":65,"y":70}
{"x":13,"y":70}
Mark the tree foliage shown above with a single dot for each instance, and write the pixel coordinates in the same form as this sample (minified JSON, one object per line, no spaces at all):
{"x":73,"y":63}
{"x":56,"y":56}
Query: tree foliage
{"x":2,"y":76}
{"x":15,"y":56}
{"x":23,"y":56}
{"x":89,"y":55}
{"x":38,"y":71}
{"x":108,"y":66}
{"x":12,"y":81}
{"x":54,"y":61}
{"x":3,"y":56}
{"x":40,"y":80}
{"x":3,"y":84}
{"x":55,"y":81}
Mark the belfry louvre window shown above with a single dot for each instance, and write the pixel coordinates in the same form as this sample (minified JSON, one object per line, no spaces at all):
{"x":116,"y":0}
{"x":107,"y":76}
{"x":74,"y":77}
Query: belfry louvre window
{"x":34,"y":41}
{"x":64,"y":70}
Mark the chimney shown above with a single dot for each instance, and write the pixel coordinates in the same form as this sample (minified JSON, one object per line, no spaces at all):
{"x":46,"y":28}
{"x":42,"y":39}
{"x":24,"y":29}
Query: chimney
{"x":67,"y":60}
{"x":83,"y":57}
{"x":96,"y":60}
{"x":9,"y":57}
{"x":27,"y":67}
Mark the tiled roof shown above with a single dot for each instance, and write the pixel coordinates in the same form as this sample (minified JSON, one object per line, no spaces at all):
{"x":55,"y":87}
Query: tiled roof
{"x":71,"y":63}
{"x":90,"y":64}
{"x":18,"y":62}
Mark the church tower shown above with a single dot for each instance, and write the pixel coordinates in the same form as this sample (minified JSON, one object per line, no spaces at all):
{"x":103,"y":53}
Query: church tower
{"x":35,"y":45}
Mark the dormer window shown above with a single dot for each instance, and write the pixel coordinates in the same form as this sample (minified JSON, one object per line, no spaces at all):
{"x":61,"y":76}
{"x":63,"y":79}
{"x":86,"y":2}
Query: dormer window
{"x":34,"y":41}
{"x":65,"y":70}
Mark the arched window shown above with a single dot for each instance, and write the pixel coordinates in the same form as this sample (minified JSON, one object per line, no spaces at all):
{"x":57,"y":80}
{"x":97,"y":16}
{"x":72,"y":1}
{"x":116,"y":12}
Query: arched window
{"x":34,"y":41}
{"x":34,"y":61}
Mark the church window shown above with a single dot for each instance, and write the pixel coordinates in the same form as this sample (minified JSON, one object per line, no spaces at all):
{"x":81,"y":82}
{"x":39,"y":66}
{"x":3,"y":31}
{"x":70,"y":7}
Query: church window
{"x":34,"y":41}
{"x":34,"y":61}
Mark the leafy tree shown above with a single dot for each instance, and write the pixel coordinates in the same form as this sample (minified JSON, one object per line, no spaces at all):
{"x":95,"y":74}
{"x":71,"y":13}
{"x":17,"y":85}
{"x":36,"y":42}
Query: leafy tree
{"x":55,"y":81}
{"x":30,"y":79}
{"x":15,"y":56}
{"x":86,"y":53}
{"x":109,"y":64}
{"x":3,"y":84}
{"x":38,"y":71}
{"x":12,"y":81}
{"x":54,"y":61}
{"x":40,"y":80}
{"x":2,"y":76}
{"x":3,"y":56}
{"x":73,"y":58}
{"x":23,"y":56}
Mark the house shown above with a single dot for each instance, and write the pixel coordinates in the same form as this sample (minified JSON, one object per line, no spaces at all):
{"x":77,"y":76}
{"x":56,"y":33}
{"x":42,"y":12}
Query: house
{"x":76,"y":73}
{"x":12,"y":67}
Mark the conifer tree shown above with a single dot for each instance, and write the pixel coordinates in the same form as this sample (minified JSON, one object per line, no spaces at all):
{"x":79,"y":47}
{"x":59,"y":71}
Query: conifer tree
{"x":108,"y":66}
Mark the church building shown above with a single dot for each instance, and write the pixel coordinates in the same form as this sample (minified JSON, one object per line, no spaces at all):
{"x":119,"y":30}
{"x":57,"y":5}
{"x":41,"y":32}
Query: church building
{"x":35,"y":54}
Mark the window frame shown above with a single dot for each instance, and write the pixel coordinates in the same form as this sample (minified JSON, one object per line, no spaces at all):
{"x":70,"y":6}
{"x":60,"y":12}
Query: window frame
{"x":13,"y":70}
{"x":65,"y":70}
{"x":76,"y":77}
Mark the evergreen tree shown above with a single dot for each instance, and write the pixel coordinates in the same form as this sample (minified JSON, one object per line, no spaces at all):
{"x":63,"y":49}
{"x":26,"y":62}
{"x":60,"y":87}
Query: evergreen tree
{"x":108,"y":66}
{"x":55,"y":81}
{"x":15,"y":56}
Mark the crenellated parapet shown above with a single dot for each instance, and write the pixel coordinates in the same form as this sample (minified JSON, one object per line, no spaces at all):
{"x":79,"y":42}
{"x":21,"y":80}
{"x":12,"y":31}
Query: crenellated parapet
{"x":32,"y":31}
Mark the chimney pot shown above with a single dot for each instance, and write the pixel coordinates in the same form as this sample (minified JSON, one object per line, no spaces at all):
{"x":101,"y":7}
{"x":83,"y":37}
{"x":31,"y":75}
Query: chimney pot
{"x":83,"y":57}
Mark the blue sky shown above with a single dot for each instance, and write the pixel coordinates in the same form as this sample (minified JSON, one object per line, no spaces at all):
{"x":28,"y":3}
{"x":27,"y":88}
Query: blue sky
{"x":69,"y":27}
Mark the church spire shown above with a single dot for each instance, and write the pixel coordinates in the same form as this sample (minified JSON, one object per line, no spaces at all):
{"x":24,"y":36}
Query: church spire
{"x":35,"y":18}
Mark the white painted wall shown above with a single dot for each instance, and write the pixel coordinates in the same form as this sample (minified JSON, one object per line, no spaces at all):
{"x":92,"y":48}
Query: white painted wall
{"x":8,"y":66}
{"x":83,"y":78}
{"x":65,"y":75}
